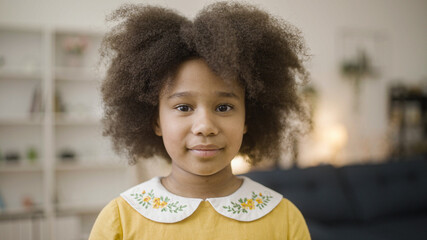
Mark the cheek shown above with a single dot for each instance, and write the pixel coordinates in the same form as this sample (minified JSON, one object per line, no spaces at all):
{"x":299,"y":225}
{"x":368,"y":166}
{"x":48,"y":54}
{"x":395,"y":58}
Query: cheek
{"x":235,"y":136}
{"x":173,"y":137}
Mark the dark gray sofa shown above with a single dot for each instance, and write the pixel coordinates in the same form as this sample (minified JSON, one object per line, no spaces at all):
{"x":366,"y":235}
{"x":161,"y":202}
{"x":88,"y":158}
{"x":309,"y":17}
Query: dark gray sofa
{"x":375,"y":201}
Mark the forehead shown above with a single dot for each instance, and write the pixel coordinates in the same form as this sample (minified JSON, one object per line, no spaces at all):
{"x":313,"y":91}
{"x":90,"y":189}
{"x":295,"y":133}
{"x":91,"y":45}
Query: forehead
{"x":195,"y":75}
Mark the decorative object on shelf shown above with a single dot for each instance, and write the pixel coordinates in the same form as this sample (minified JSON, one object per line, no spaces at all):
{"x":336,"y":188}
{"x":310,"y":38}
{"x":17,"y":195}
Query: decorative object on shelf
{"x":36,"y":102}
{"x":67,"y":155}
{"x":407,"y":127}
{"x":2,"y":61}
{"x":12,"y":157}
{"x":357,"y":69}
{"x":59,"y":106}
{"x":361,"y":58}
{"x":27,"y":202}
{"x":74,"y":48}
{"x":2,"y":205}
{"x":32,"y":154}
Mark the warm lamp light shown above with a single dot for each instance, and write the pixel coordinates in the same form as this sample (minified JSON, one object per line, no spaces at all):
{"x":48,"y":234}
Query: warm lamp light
{"x":239,"y":165}
{"x":336,"y":137}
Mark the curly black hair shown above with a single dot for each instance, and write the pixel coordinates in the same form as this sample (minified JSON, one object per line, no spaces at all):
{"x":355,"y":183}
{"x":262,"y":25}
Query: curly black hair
{"x":237,"y":41}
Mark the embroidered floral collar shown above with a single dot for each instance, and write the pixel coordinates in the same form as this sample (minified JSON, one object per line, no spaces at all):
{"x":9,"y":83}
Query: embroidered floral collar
{"x":250,"y":202}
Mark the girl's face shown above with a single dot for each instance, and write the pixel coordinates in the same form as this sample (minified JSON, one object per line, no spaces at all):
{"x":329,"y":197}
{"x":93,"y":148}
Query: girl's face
{"x":201,"y":119}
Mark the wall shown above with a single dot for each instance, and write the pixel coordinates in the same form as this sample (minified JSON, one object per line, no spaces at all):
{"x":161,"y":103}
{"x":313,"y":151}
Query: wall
{"x":402,"y":25}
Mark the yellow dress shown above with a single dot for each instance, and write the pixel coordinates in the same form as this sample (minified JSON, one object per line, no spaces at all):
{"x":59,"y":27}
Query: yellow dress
{"x":149,"y":211}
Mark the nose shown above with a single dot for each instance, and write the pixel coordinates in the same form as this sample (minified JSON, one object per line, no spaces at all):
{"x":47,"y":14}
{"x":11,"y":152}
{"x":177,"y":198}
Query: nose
{"x":204,"y":124}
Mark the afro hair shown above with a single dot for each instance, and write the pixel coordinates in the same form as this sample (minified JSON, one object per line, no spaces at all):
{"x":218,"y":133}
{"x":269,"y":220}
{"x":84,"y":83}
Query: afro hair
{"x":239,"y":42}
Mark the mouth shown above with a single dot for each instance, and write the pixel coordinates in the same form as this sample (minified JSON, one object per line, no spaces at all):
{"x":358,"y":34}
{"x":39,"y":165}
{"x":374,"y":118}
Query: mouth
{"x":205,"y":151}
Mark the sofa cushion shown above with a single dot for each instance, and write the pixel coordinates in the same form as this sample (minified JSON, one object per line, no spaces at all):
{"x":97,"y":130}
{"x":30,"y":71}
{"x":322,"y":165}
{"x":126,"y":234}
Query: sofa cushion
{"x":390,"y":189}
{"x":408,"y":227}
{"x":342,"y":231}
{"x":315,"y":191}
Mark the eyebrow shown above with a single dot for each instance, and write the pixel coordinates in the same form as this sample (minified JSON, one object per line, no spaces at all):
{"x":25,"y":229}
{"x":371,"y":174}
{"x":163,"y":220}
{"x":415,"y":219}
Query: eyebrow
{"x":218,"y":93}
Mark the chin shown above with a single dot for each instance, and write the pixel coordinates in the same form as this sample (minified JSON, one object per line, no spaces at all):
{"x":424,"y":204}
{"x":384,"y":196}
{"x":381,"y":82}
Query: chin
{"x":205,"y":173}
{"x":208,"y":172}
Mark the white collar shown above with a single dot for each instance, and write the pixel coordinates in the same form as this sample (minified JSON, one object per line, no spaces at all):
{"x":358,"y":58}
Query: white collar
{"x":250,"y":202}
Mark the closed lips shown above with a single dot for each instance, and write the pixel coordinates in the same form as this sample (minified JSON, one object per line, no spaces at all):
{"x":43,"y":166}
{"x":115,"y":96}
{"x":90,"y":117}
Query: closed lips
{"x":205,"y":148}
{"x":205,"y":151}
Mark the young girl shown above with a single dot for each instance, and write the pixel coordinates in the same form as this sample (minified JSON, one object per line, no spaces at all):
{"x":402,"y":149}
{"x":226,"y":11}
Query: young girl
{"x":198,"y":93}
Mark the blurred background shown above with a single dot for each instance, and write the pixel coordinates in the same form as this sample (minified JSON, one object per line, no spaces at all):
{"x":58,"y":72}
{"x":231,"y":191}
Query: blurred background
{"x":368,"y":97}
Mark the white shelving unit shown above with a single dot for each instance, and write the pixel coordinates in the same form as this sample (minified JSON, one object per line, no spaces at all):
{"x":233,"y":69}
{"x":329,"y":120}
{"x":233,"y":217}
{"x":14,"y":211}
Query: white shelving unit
{"x":64,"y":171}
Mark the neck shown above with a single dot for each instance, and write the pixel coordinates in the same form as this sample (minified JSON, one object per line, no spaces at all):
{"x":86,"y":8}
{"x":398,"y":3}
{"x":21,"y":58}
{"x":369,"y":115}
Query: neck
{"x":189,"y":185}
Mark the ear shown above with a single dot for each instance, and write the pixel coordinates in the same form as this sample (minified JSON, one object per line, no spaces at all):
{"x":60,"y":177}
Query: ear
{"x":245,"y":129}
{"x":156,"y":127}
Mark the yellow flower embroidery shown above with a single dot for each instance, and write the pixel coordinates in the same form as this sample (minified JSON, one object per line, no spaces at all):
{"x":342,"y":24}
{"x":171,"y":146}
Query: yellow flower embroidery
{"x":146,"y":199}
{"x":143,"y":191}
{"x":244,"y":204}
{"x":163,"y":204}
{"x":156,"y":202}
{"x":251,"y":204}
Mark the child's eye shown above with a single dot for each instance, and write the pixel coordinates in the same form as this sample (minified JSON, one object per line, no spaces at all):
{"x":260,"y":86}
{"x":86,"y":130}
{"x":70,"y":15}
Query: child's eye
{"x":224,"y":108}
{"x":183,"y":108}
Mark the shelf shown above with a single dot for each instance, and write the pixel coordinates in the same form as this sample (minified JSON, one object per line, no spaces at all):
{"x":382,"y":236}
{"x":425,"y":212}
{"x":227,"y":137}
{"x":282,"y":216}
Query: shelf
{"x":20,"y":74}
{"x":78,"y":74}
{"x":50,"y":101}
{"x":20,"y":213}
{"x":76,"y":166}
{"x":78,"y":209}
{"x":19,"y":168}
{"x":36,"y":120}
{"x":70,"y":120}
